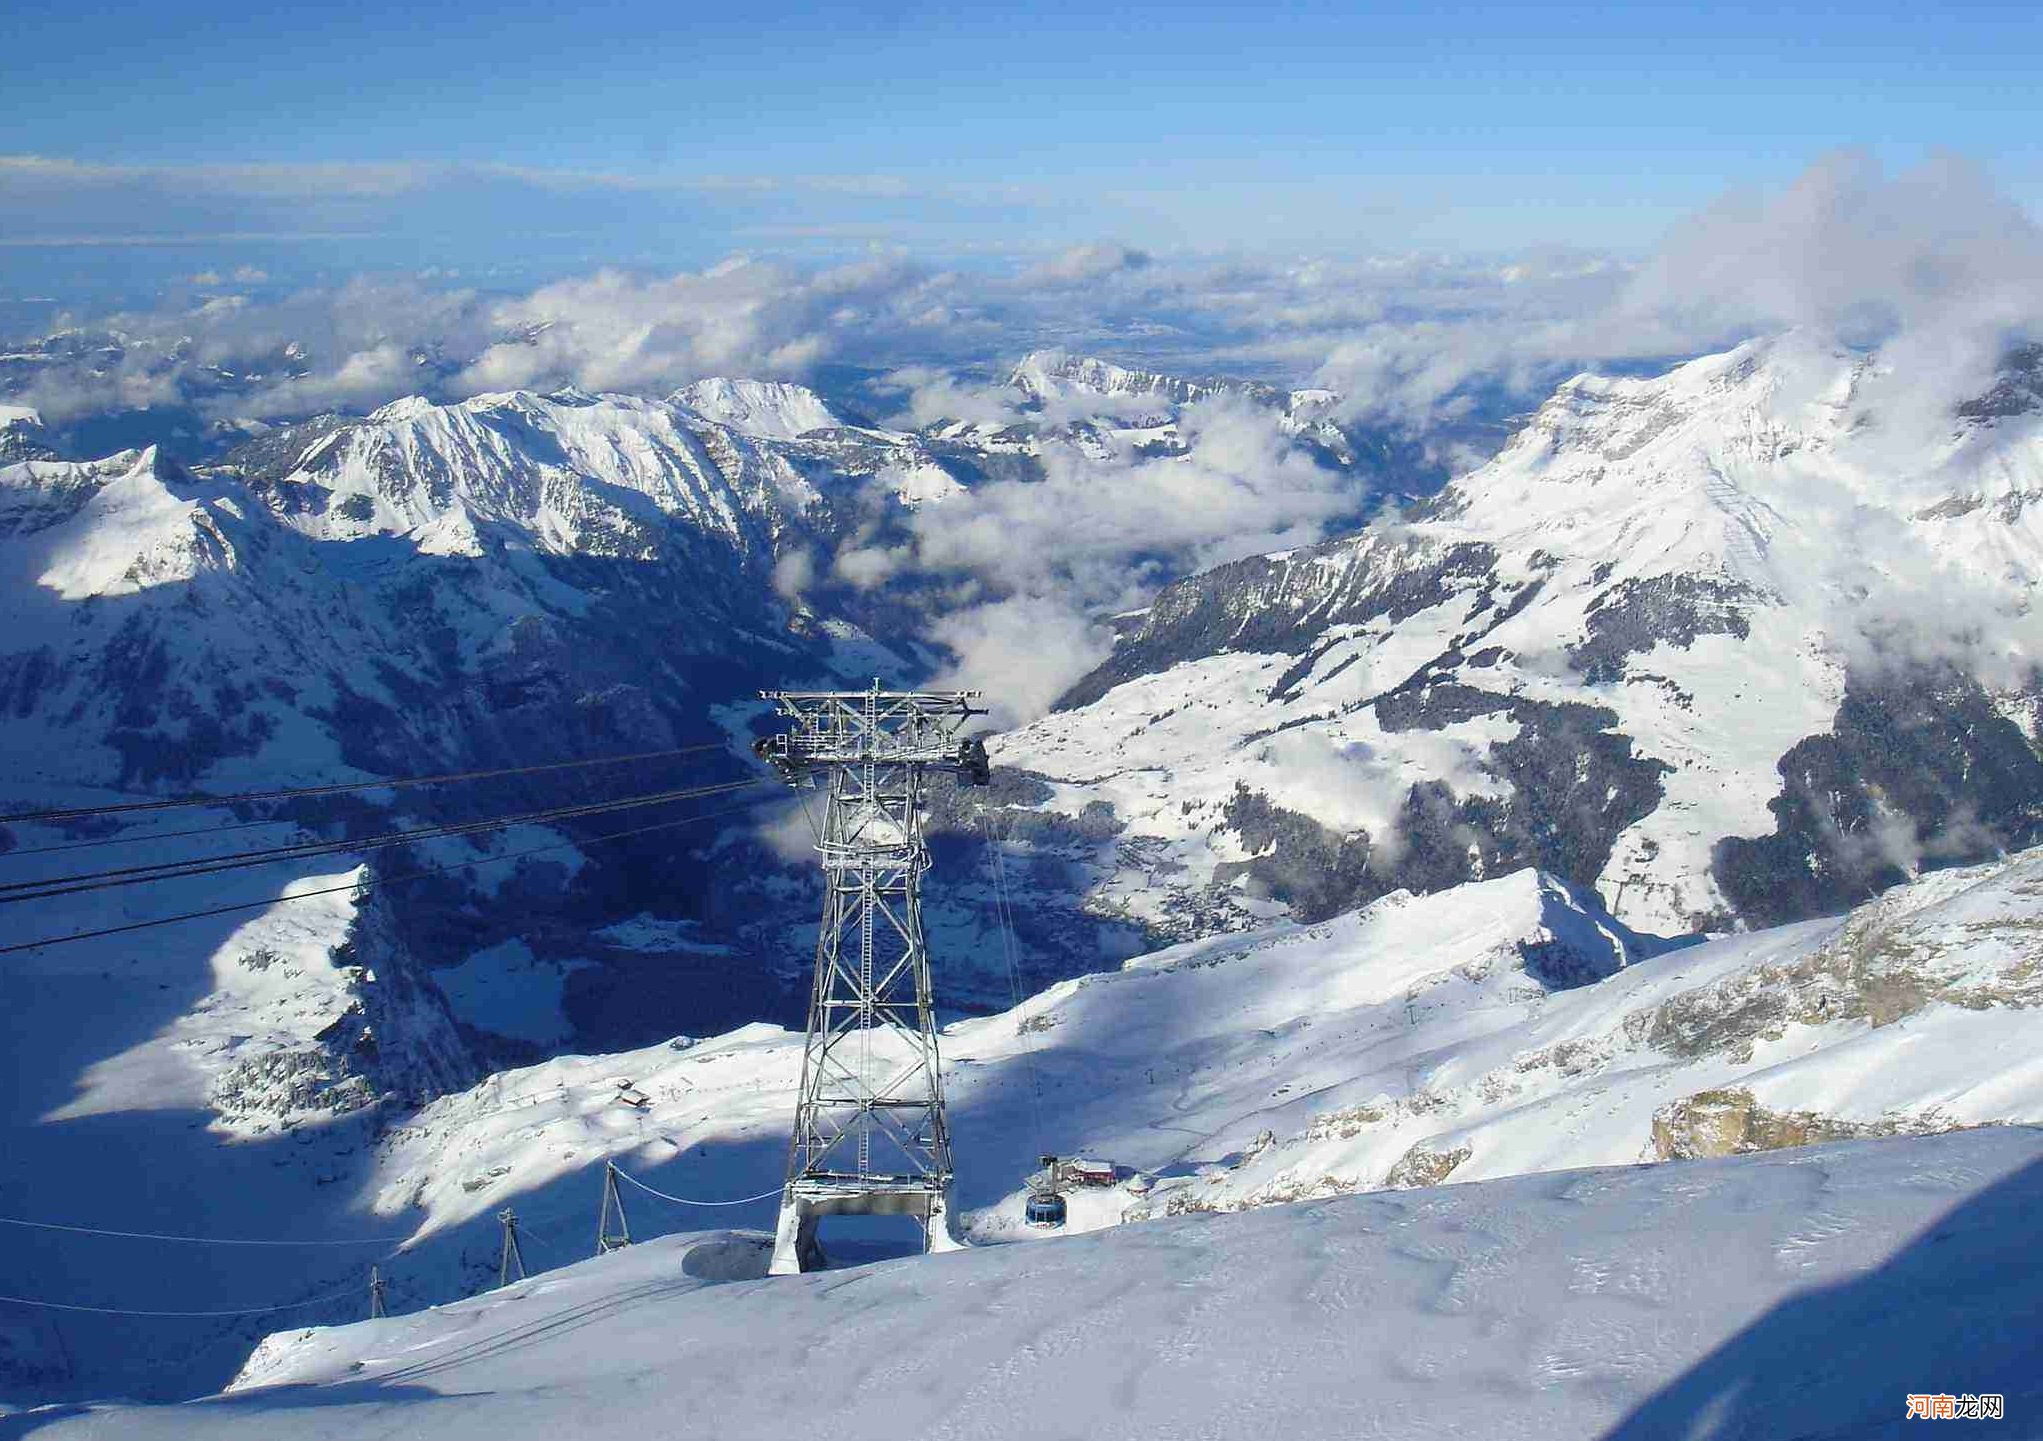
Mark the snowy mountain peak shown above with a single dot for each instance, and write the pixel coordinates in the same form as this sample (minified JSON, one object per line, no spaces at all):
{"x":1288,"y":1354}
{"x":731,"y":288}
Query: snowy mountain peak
{"x":1046,"y":375}
{"x":774,"y":409}
{"x":128,"y":523}
{"x":21,"y":435}
{"x":577,"y":472}
{"x":407,"y":407}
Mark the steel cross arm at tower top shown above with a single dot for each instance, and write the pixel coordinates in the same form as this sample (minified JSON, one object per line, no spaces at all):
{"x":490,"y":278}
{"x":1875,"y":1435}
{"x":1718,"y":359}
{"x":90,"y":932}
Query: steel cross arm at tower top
{"x":873,"y":727}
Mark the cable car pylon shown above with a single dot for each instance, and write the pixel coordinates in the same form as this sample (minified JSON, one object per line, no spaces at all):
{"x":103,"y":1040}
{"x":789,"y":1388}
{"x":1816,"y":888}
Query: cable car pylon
{"x":870,"y":1134}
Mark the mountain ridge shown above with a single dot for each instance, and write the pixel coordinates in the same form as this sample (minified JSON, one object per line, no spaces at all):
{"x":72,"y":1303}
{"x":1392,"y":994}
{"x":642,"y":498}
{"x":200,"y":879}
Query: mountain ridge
{"x":1638,"y":558}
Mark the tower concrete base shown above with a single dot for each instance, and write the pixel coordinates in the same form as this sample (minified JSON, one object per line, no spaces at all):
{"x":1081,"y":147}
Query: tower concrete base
{"x":795,"y":1248}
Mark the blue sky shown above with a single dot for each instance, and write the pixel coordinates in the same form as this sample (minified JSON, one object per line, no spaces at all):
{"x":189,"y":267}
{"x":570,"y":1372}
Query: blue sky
{"x":549,"y":137}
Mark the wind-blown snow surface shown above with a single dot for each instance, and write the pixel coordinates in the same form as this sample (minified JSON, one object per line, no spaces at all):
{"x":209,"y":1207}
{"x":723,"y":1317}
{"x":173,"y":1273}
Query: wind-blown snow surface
{"x":1753,"y":598}
{"x":1792,"y":1294}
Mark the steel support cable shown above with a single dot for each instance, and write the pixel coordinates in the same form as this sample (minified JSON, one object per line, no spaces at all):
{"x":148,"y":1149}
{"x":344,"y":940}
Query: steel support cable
{"x":685,"y":1201}
{"x":526,"y":1226}
{"x":131,"y":840}
{"x":190,"y":1240}
{"x":1010,"y":949}
{"x":338,"y":788}
{"x":376,"y":883}
{"x":350,"y":1290}
{"x":204,"y":865}
{"x":209,"y":865}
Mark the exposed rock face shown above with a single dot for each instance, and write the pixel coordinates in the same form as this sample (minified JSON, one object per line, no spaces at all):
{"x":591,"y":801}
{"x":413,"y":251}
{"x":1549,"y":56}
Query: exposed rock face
{"x":1633,"y":649}
{"x":1424,"y":1166}
{"x":384,"y":1035}
{"x":1731,"y":1123}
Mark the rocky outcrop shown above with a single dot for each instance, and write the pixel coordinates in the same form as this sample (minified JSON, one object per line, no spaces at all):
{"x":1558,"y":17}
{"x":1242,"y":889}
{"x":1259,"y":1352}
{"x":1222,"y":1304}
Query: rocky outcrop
{"x":1425,"y":1166}
{"x":387,"y":1039}
{"x":1730,"y":1122}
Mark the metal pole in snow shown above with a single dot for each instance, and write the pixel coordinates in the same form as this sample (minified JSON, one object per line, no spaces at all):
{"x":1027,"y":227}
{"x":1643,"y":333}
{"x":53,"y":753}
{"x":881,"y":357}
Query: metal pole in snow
{"x":511,"y":1255}
{"x":606,"y":1239}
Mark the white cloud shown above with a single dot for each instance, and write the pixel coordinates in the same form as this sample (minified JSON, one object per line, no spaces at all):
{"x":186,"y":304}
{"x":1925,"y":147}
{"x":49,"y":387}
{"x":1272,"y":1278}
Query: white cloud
{"x":793,"y":574}
{"x":1096,"y":534}
{"x":744,"y":317}
{"x":1023,"y":652}
{"x":1086,"y":263}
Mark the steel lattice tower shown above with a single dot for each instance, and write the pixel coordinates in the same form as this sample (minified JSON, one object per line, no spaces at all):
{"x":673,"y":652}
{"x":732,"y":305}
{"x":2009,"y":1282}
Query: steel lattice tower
{"x":870,"y":1137}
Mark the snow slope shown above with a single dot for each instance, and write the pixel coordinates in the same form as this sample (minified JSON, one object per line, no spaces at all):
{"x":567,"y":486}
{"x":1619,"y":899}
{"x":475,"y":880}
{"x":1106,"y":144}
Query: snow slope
{"x":1798,"y":1294}
{"x":1743,"y":641}
{"x":1503,"y":1027}
{"x":1500,"y":1028}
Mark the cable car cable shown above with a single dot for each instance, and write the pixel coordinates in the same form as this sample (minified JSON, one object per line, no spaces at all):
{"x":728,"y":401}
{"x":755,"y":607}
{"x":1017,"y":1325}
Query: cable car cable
{"x":149,"y":836}
{"x":395,"y":783}
{"x":374,"y":883}
{"x":208,"y":865}
{"x":351,"y":1290}
{"x":191,"y":1240}
{"x":685,"y":1201}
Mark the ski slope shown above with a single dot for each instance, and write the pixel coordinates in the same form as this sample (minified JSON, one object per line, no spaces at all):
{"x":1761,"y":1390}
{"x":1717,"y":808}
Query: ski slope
{"x":1794,"y":1294}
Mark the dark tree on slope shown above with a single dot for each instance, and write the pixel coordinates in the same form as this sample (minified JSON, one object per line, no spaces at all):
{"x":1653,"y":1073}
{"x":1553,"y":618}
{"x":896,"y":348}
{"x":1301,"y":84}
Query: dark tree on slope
{"x":1918,"y":762}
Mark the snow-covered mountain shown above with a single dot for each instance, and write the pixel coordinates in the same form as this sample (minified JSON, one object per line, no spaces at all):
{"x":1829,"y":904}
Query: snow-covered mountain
{"x":1728,"y":644}
{"x":419,"y":573}
{"x":21,"y":435}
{"x":771,"y":408}
{"x":1103,"y":408}
{"x":1690,"y":646}
{"x":1044,"y":377}
{"x":516,"y":579}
